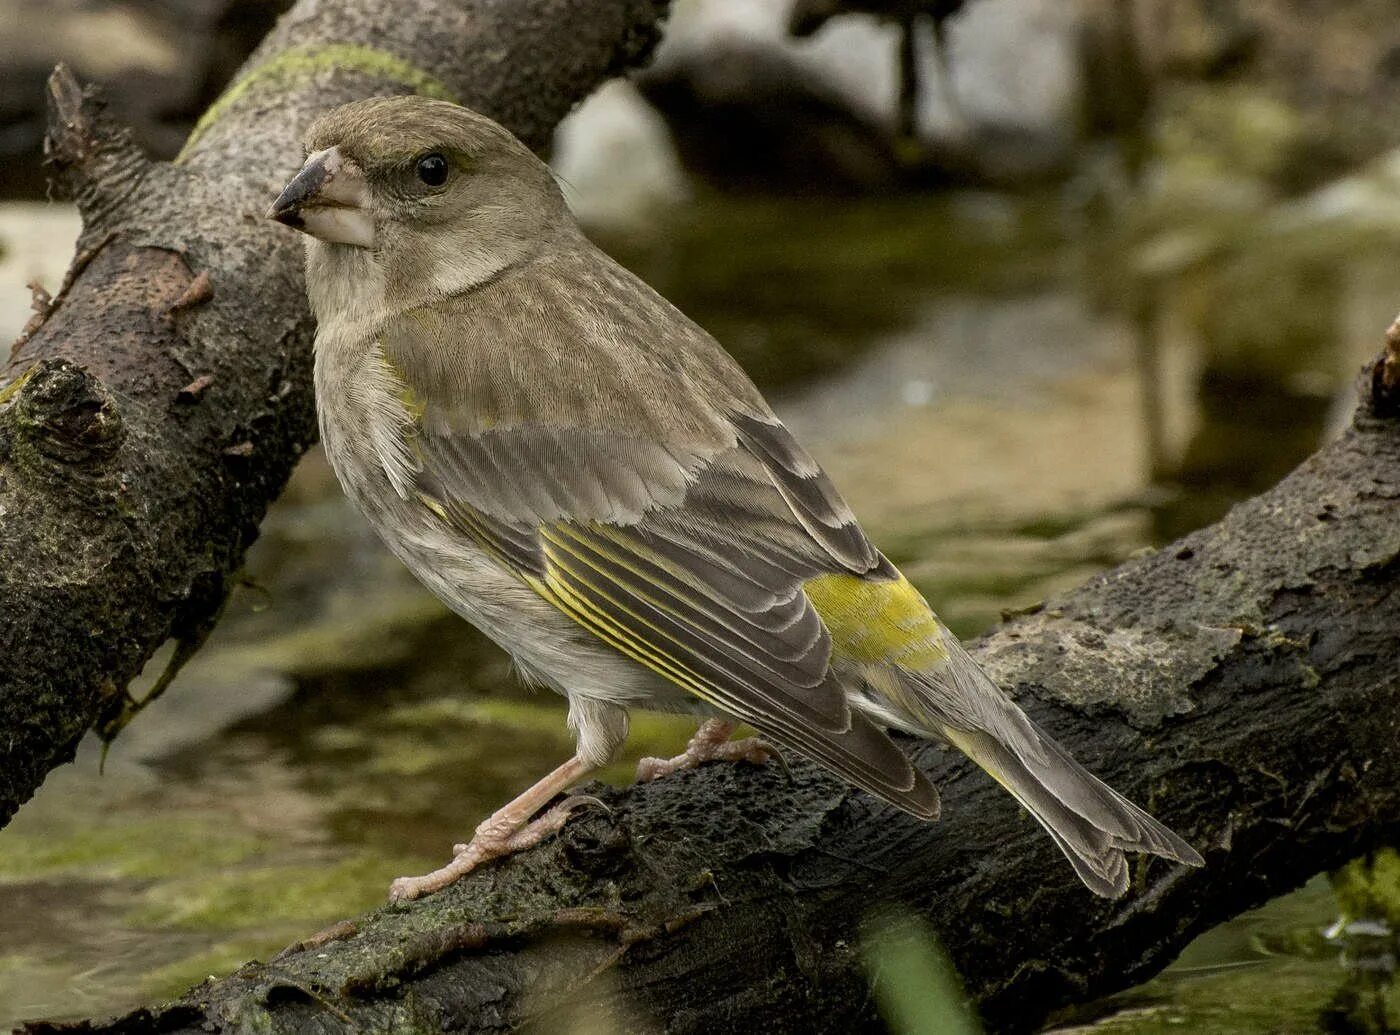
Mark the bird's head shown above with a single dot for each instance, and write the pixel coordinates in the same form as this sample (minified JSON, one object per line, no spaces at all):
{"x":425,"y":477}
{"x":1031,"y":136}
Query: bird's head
{"x":436,"y":197}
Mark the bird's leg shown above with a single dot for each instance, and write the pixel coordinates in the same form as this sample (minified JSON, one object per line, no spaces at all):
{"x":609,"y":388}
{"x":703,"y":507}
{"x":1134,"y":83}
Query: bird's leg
{"x":908,"y":113}
{"x":710,"y":743}
{"x":946,"y":86}
{"x":507,"y":831}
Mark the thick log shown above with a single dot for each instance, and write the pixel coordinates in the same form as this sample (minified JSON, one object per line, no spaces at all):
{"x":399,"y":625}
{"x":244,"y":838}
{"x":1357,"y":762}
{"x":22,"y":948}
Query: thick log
{"x":1243,"y":683}
{"x":155,"y":407}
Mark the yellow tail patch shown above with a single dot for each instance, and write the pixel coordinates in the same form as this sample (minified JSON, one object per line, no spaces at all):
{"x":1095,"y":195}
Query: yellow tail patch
{"x":877,"y":621}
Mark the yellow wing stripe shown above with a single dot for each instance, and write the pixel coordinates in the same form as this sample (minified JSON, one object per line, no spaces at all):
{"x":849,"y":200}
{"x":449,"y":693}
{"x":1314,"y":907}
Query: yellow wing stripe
{"x":589,"y":615}
{"x":801,"y":735}
{"x":597,"y":621}
{"x":640,"y":588}
{"x":582,"y":612}
{"x":648,"y":653}
{"x":702,"y":686}
{"x":462,"y":518}
{"x":877,"y":622}
{"x":620,"y":558}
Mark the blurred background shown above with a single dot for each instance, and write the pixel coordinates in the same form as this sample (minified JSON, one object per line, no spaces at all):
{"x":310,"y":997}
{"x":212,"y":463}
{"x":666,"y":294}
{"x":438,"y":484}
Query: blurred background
{"x":1043,"y":283}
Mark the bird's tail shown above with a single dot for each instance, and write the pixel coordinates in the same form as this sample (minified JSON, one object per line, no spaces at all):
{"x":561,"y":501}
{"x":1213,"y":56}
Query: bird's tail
{"x":1092,"y":823}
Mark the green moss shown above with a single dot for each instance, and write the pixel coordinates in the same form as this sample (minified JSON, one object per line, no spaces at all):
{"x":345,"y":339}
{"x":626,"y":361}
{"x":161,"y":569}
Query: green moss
{"x":1370,"y":887}
{"x":297,"y":65}
{"x":260,"y":897}
{"x":8,"y":391}
{"x":146,"y":849}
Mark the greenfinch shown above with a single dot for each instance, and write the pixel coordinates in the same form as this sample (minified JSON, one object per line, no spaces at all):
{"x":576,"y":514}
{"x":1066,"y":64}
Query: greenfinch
{"x":584,"y":474}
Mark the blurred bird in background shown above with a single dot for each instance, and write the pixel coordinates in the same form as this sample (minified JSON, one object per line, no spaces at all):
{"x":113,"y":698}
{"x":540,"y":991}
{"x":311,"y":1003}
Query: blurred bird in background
{"x":582,"y":472}
{"x":808,"y":16}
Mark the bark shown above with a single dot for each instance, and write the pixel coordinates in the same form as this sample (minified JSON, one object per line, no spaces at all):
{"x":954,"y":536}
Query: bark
{"x":156,"y":406}
{"x":1243,"y":683}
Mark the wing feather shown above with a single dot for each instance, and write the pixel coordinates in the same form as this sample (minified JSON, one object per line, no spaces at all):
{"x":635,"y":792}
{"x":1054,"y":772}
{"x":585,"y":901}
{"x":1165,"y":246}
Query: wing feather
{"x":707,"y":593}
{"x":675,"y":528}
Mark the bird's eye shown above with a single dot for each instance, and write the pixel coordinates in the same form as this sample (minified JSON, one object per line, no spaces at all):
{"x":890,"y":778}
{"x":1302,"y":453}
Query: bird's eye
{"x":432,"y":169}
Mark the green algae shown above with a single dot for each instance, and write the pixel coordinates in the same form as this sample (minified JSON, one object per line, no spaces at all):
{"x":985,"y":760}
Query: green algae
{"x":541,"y":717}
{"x":1288,"y":967}
{"x":296,"y":66}
{"x":282,"y":895}
{"x":810,"y":305}
{"x":224,"y":957}
{"x":123,"y":847}
{"x":1231,"y":130}
{"x":1369,"y":887}
{"x":360,"y":638}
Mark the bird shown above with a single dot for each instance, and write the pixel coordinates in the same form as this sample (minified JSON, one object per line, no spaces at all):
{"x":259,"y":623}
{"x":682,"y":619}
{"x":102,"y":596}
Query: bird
{"x":582,"y":472}
{"x":806,"y":17}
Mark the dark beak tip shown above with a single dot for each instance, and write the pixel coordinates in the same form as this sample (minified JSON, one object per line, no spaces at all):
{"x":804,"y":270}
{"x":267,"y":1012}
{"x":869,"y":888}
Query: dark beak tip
{"x":287,"y":208}
{"x":287,"y":215}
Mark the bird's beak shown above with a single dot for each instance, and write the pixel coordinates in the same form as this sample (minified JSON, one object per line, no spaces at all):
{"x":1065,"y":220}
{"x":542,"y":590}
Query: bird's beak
{"x":328,"y":199}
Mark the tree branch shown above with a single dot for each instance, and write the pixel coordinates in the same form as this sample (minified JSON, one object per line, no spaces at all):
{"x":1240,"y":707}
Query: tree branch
{"x":1243,"y":683}
{"x":127,"y":496}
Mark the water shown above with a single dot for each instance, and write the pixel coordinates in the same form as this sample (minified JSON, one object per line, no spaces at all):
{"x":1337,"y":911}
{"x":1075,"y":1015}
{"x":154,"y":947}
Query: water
{"x":1007,"y":397}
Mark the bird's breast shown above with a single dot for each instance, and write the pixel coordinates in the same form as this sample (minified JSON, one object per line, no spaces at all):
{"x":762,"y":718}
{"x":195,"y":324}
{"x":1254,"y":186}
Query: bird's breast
{"x":366,"y":424}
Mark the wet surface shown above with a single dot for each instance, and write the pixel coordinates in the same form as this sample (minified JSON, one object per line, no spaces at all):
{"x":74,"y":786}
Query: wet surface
{"x":1013,"y":392}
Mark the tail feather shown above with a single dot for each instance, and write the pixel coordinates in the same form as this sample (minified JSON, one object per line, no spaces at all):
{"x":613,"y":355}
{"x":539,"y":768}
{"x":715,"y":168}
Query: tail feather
{"x":1091,"y":823}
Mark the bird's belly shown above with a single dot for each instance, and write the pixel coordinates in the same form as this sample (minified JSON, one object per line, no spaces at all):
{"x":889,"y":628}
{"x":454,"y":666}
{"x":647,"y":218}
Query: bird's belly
{"x":548,"y":647}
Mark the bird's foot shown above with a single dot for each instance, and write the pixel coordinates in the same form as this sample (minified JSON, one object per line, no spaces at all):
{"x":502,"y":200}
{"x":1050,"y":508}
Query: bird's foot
{"x":494,"y":839}
{"x":567,"y":808}
{"x":710,"y":743}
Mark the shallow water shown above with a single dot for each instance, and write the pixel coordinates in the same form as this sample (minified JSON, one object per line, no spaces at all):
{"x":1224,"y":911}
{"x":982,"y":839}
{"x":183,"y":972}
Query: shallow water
{"x":1009,"y":406}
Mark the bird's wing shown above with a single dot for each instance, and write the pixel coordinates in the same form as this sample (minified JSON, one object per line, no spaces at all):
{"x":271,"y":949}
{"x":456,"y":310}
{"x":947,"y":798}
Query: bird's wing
{"x":686,"y":551}
{"x":706,"y":591}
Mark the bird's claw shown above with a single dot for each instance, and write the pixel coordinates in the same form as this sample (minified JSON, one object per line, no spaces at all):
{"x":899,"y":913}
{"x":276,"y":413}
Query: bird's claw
{"x":493,"y":840}
{"x":750,"y":749}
